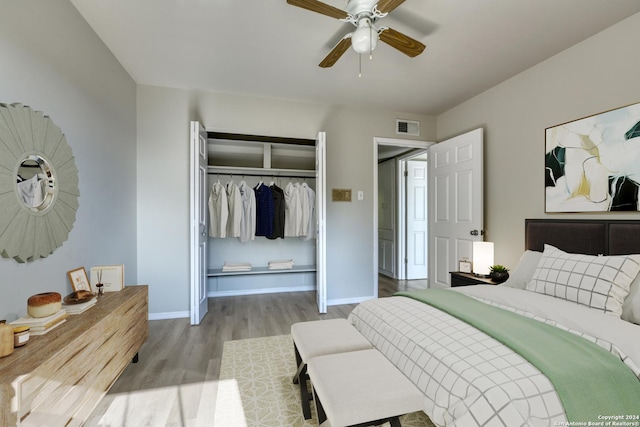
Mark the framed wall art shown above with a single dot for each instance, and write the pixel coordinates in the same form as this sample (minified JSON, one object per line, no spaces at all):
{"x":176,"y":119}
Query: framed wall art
{"x":593,"y":164}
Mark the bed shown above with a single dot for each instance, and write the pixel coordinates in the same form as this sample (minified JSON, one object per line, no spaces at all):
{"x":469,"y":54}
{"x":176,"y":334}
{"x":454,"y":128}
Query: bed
{"x":474,"y":376}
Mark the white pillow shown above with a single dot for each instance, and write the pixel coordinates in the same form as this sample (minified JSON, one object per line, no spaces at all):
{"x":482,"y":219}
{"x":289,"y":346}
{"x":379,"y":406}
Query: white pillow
{"x":600,"y":282}
{"x":522,"y":274}
{"x":631,"y":305}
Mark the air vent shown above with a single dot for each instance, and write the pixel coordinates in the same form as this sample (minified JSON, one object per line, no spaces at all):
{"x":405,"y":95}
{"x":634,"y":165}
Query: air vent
{"x":407,"y":127}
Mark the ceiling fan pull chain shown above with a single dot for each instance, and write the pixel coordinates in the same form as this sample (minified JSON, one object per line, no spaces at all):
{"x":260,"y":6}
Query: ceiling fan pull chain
{"x":359,"y":65}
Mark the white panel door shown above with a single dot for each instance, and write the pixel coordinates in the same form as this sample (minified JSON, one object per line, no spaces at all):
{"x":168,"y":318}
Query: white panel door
{"x":321,"y":237}
{"x":455,"y":203}
{"x":416,"y":213}
{"x":198,"y":222}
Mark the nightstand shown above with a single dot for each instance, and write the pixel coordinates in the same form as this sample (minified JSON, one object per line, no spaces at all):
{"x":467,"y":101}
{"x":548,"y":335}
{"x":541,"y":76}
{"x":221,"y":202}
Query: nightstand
{"x":466,"y":279}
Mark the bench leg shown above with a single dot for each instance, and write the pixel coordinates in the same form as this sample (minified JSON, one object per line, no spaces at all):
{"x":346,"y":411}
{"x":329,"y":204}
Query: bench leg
{"x":305,"y":397}
{"x":322,"y":416}
{"x":301,"y":378}
{"x":299,"y":364}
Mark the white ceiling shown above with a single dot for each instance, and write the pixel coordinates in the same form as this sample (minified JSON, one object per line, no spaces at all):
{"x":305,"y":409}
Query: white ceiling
{"x":268,"y":48}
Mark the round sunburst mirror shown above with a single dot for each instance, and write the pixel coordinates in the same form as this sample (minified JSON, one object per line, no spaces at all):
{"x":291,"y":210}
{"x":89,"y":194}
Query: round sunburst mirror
{"x":38,"y":184}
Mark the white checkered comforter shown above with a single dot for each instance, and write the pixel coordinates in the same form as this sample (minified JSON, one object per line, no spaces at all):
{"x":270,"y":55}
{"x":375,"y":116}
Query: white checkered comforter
{"x":470,"y":379}
{"x":467,"y":377}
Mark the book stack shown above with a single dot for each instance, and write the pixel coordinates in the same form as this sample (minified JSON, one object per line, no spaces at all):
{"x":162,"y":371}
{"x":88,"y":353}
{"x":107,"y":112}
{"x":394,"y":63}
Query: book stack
{"x":79,"y":308}
{"x":42,"y":325}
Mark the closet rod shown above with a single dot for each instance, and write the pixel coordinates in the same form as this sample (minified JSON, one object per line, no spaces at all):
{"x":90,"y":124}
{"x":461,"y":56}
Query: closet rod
{"x":274,"y":175}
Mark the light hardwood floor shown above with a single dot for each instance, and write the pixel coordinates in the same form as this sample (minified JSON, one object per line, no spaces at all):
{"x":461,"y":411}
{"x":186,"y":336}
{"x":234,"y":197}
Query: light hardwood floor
{"x":175,"y":381}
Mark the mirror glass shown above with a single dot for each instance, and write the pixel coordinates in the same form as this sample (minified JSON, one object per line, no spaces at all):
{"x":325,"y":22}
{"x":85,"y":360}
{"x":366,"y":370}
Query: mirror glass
{"x":35,"y":183}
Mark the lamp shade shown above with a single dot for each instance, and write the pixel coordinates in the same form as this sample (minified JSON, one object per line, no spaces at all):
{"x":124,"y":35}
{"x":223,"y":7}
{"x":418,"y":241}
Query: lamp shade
{"x":365,"y":38}
{"x":482,"y":257}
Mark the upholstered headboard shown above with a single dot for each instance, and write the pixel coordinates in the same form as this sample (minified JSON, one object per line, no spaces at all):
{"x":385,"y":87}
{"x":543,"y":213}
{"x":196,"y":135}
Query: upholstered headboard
{"x":592,"y":237}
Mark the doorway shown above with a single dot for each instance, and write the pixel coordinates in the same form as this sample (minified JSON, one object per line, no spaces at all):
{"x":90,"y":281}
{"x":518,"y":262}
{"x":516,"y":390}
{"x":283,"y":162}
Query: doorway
{"x":392,"y":197}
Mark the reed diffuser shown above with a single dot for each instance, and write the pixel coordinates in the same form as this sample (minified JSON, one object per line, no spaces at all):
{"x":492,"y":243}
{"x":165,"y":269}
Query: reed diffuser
{"x":100,"y":285}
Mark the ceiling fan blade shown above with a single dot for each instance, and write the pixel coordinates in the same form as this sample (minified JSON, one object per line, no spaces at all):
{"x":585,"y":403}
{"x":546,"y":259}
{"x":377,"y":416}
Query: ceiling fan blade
{"x":319,"y":7}
{"x":336,"y":52}
{"x":386,"y":6}
{"x":402,"y":42}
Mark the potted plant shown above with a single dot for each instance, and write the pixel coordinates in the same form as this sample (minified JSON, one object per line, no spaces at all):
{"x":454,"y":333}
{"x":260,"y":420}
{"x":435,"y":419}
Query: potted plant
{"x":498,"y":273}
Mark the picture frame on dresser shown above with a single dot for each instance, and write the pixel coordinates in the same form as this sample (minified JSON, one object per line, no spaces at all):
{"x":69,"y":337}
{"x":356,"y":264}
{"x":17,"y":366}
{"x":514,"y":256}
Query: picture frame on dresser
{"x":111,"y":277}
{"x":79,"y":280}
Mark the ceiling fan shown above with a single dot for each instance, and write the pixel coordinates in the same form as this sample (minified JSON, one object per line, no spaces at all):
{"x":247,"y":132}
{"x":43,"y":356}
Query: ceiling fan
{"x":363,"y":14}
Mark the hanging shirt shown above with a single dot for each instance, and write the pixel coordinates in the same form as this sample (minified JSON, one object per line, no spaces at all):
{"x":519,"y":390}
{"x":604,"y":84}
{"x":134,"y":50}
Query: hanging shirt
{"x":264,"y":210}
{"x":32,"y":191}
{"x":305,"y":209}
{"x":235,"y":210}
{"x":248,"y":219}
{"x":278,"y":212}
{"x":293,"y":210}
{"x":218,"y":210}
{"x":309,"y":227}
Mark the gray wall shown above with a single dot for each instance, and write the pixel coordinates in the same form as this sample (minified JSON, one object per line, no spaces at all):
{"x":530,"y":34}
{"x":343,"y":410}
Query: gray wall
{"x":53,"y":62}
{"x":598,"y":74}
{"x":163,"y":186}
{"x":351,"y":271}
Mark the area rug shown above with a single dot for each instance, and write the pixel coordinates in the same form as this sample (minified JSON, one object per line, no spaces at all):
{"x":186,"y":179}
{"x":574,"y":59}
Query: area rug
{"x":256,"y":388}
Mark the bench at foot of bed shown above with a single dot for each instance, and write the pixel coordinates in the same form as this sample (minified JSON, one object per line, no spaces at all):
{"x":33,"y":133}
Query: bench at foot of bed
{"x":361,"y":388}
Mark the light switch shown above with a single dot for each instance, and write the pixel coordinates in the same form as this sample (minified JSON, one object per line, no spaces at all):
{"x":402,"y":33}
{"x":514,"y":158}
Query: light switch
{"x":360,"y":195}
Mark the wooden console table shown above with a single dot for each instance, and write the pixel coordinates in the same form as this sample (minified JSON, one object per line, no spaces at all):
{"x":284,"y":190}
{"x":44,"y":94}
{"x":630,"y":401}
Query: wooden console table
{"x":58,"y":378}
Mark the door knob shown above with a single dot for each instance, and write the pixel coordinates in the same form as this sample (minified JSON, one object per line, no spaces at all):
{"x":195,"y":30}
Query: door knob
{"x":474,"y":232}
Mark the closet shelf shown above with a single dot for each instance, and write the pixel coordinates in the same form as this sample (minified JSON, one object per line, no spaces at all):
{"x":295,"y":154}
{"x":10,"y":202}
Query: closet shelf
{"x":230,"y":170}
{"x":215,"y":272}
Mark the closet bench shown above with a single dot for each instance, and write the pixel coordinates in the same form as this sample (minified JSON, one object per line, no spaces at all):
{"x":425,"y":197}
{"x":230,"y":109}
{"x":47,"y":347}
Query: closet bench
{"x":317,"y":338}
{"x":361,"y":388}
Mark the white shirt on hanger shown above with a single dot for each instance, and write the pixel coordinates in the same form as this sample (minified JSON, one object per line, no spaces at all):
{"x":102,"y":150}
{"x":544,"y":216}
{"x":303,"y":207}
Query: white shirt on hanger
{"x":309,"y":227}
{"x":235,"y":210}
{"x":32,"y":191}
{"x":304,"y":207}
{"x":293,"y":210}
{"x":218,"y":210}
{"x":248,"y":217}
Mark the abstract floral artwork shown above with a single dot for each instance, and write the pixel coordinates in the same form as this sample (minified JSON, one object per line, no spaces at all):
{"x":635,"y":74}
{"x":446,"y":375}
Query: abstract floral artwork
{"x":593,"y":164}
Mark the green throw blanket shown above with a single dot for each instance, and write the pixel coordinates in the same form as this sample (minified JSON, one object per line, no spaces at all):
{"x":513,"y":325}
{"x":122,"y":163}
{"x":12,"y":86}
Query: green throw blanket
{"x":591,"y":382}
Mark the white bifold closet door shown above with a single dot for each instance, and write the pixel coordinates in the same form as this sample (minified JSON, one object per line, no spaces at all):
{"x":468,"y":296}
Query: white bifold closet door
{"x":321,"y":238}
{"x":198,"y":222}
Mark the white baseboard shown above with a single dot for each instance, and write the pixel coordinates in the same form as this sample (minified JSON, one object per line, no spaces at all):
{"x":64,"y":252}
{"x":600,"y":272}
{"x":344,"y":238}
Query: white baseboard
{"x":240,"y":292}
{"x":345,"y":301}
{"x":169,"y":315}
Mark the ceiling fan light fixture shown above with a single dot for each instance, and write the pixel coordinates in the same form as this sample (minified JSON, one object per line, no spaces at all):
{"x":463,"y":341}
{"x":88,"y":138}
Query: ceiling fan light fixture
{"x":365,"y":38}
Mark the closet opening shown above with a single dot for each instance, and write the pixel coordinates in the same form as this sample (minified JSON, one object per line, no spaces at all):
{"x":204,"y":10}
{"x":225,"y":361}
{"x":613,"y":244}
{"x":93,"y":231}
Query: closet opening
{"x":284,"y":257}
